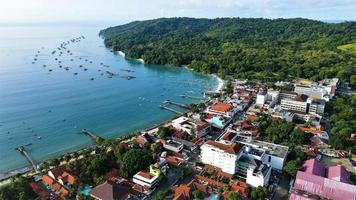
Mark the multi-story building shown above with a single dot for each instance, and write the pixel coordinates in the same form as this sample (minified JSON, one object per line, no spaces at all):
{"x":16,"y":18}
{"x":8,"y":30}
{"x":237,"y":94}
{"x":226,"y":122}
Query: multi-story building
{"x":223,"y":156}
{"x":146,"y":181}
{"x":268,"y":98}
{"x":173,"y":145}
{"x":298,"y":104}
{"x":317,"y":107}
{"x":193,"y":127}
{"x":324,"y":89}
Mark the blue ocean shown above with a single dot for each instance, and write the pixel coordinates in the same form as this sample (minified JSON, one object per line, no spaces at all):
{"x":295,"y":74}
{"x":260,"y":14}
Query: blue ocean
{"x":48,"y":93}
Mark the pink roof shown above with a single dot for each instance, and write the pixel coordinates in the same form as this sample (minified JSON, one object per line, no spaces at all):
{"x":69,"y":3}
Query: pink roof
{"x":338,"y":173}
{"x":324,"y":187}
{"x":313,"y":166}
{"x":294,"y":196}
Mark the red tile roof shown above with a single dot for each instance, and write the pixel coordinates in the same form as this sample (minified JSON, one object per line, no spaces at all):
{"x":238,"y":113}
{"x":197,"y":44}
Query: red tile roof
{"x":112,"y":191}
{"x":42,"y":193}
{"x":231,"y":148}
{"x":240,"y":187}
{"x":145,"y":175}
{"x":222,"y":107}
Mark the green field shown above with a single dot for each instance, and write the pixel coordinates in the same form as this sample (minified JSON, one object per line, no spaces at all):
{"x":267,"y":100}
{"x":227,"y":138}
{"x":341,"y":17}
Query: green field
{"x":348,"y":47}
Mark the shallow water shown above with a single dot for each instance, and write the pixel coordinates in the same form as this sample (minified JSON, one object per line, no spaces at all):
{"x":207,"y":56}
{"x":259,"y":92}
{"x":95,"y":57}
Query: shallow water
{"x":57,"y":105}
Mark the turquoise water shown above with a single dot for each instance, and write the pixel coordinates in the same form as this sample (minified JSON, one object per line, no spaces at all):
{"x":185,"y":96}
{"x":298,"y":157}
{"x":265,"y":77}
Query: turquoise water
{"x":57,"y":105}
{"x":86,"y":191}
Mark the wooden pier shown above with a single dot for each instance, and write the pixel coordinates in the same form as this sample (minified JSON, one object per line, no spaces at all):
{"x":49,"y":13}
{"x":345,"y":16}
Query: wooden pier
{"x":23,"y":151}
{"x":185,"y":106}
{"x":170,"y":109}
{"x":188,"y":96}
{"x":92,"y":136}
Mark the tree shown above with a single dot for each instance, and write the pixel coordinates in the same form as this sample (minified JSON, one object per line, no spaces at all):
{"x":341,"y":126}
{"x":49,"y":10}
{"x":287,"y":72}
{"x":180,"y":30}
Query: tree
{"x":258,"y":193}
{"x":300,"y":137}
{"x":133,"y":161}
{"x":160,"y":195}
{"x":187,"y":171}
{"x":164,"y":132}
{"x":197,"y":194}
{"x":154,"y":148}
{"x":18,"y":189}
{"x":234,"y":196}
{"x":308,"y":124}
{"x":292,"y":167}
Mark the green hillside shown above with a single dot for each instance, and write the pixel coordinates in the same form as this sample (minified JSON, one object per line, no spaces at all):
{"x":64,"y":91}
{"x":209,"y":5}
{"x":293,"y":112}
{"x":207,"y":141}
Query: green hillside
{"x":255,"y":48}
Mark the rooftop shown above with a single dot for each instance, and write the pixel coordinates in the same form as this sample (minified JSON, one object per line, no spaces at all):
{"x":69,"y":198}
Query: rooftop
{"x":270,"y":148}
{"x":231,"y":148}
{"x":222,"y":107}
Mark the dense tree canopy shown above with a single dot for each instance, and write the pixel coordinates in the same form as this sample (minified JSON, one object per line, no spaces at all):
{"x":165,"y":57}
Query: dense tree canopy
{"x":344,"y":123}
{"x":254,"y":48}
{"x":18,"y":189}
{"x":135,"y":160}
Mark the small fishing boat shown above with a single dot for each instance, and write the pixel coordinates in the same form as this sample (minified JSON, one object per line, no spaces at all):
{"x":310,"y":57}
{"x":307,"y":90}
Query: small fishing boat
{"x":91,"y":79}
{"x":75,"y":73}
{"x":85,"y":69}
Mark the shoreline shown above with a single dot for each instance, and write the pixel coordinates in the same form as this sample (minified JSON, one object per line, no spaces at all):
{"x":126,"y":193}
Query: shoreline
{"x":26,"y":170}
{"x":220,"y":83}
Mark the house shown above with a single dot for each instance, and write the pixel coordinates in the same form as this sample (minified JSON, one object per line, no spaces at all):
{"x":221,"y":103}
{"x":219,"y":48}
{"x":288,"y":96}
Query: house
{"x":41,"y":192}
{"x":325,"y":182}
{"x":222,"y":109}
{"x":143,"y":139}
{"x":240,"y":187}
{"x":63,"y":177}
{"x":173,"y":145}
{"x":55,"y":186}
{"x":146,"y":181}
{"x":158,"y":168}
{"x":221,"y":155}
{"x":110,"y":190}
{"x":194,"y":127}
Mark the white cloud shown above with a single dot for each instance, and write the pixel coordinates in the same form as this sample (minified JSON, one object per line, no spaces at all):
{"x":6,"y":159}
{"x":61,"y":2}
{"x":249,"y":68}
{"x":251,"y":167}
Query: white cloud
{"x":80,"y":10}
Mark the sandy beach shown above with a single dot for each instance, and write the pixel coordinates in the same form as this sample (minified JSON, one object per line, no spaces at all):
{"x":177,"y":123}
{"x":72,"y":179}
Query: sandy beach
{"x":121,"y":53}
{"x":141,"y":60}
{"x":220,"y":83}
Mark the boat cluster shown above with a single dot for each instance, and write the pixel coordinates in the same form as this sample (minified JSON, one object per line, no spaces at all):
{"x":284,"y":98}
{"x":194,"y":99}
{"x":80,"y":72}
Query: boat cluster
{"x":64,"y":49}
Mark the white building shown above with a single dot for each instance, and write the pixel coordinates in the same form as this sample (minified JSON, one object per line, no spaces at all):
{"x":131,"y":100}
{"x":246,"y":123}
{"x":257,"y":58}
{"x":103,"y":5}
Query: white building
{"x":193,"y":127}
{"x":268,"y":153}
{"x":145,"y":179}
{"x":317,"y":107}
{"x":221,"y":155}
{"x":173,"y":145}
{"x":324,"y":89}
{"x":257,"y":173}
{"x":298,"y":104}
{"x":268,"y":98}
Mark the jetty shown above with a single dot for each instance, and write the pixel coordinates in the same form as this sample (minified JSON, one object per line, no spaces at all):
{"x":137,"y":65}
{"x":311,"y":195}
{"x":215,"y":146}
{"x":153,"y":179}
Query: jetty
{"x":92,"y":136}
{"x":176,"y":104}
{"x":171,"y":109}
{"x":23,"y":151}
{"x":188,"y":96}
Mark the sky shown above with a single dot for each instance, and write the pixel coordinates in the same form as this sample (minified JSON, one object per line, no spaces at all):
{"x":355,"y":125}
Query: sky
{"x":34,"y":11}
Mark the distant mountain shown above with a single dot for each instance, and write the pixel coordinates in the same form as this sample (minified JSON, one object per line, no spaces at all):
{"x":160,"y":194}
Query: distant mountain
{"x":254,"y":48}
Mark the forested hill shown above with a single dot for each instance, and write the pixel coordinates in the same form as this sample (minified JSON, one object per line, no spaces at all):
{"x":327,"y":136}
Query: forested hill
{"x":254,"y":48}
